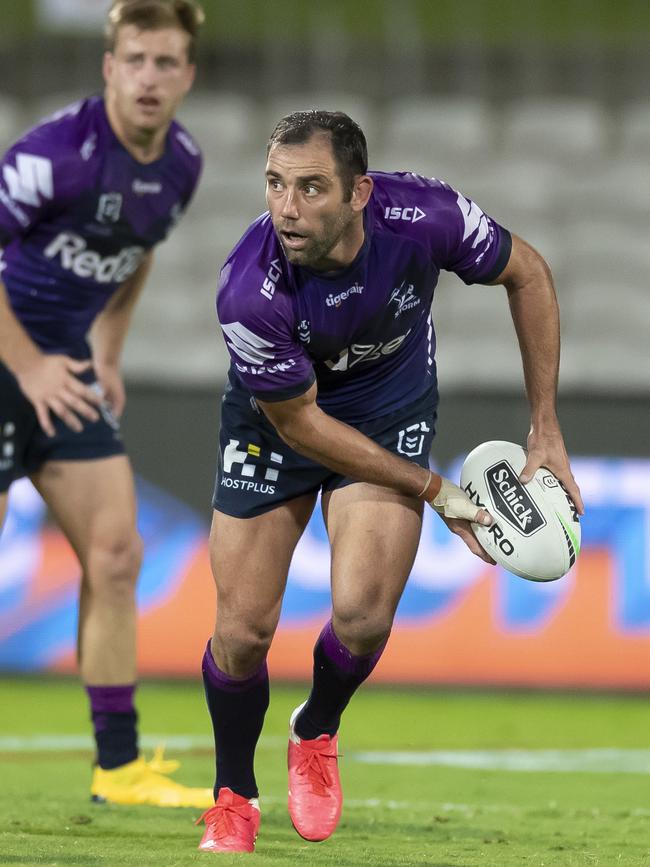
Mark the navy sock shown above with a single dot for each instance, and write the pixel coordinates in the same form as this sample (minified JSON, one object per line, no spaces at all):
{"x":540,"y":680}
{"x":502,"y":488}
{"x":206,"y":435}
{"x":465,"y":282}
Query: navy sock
{"x":114,"y":722}
{"x":337,"y":675}
{"x":237,"y":707}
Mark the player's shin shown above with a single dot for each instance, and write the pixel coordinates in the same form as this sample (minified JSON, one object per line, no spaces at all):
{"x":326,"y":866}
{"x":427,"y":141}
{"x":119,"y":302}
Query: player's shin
{"x":337,"y":676}
{"x":237,"y":708}
{"x":114,"y":723}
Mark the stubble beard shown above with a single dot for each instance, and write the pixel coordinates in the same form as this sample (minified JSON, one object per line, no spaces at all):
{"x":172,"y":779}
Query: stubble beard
{"x":315,"y":254}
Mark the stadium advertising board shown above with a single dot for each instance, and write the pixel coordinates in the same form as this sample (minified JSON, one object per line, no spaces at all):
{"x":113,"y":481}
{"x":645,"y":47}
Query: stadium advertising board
{"x":459,"y":622}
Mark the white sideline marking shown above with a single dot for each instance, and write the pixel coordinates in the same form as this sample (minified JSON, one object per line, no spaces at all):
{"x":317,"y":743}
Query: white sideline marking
{"x":589,"y":761}
{"x":177,"y":743}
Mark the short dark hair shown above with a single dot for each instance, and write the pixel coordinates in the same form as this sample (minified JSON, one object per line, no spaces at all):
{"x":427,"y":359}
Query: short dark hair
{"x":348,"y":141}
{"x":186,"y":15}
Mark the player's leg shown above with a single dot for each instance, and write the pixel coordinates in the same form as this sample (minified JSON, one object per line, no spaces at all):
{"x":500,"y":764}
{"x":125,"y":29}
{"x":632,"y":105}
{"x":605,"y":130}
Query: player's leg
{"x":93,"y":502}
{"x":250,"y":560}
{"x":374,"y":534}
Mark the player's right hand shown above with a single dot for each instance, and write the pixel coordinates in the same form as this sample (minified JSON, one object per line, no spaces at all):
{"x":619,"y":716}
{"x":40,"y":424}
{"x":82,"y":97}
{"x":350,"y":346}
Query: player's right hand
{"x":50,"y":383}
{"x":459,"y":513}
{"x":452,"y":502}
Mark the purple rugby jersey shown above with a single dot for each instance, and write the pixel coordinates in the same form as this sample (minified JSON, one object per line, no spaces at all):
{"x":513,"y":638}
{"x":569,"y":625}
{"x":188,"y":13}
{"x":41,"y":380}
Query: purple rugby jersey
{"x":77,"y":215}
{"x":365,"y":333}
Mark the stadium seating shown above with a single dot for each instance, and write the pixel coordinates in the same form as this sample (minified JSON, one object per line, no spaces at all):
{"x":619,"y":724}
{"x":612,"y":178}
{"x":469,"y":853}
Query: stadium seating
{"x":570,"y":176}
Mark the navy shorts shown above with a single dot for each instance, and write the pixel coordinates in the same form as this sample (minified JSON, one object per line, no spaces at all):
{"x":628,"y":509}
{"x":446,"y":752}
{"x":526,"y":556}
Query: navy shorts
{"x":257,"y":471}
{"x":24,"y":445}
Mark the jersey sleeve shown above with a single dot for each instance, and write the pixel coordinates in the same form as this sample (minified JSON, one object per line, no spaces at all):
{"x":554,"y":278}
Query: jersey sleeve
{"x":260,"y":335}
{"x":33,"y":176}
{"x":468,"y":241}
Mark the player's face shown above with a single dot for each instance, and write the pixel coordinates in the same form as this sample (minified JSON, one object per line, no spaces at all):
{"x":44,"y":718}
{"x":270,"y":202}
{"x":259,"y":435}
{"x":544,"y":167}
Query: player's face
{"x":147,"y":75}
{"x":305,"y":197}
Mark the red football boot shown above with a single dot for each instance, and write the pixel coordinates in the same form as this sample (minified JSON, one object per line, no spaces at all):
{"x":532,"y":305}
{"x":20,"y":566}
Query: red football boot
{"x":315,"y":796}
{"x":231,"y":825}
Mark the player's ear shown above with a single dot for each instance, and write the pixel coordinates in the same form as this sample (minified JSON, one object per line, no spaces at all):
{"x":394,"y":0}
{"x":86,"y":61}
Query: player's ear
{"x":361,"y":192}
{"x":107,"y":66}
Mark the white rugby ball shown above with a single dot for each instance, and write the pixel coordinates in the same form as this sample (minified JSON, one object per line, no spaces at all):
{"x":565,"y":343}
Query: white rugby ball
{"x":536,"y":528}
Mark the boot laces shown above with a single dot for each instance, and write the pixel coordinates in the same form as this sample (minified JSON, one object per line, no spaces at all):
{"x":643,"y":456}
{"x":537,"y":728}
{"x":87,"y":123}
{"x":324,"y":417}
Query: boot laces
{"x":158,"y":764}
{"x":222,"y":817}
{"x":315,"y":765}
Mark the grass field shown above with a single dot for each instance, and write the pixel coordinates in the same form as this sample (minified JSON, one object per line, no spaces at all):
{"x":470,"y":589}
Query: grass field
{"x":405,"y":804}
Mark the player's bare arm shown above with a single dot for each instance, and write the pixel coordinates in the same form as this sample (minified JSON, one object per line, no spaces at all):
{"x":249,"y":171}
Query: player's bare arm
{"x":311,"y":432}
{"x":48,"y":381}
{"x":109,"y":332}
{"x":534,"y":309}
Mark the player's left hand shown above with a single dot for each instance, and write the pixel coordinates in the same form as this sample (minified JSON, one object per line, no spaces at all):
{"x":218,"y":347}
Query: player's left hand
{"x":546,"y":449}
{"x":110,"y":379}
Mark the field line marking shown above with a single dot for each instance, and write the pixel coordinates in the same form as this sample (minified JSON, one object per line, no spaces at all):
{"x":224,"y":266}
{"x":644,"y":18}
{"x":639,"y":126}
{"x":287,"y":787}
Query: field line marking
{"x":633,"y":761}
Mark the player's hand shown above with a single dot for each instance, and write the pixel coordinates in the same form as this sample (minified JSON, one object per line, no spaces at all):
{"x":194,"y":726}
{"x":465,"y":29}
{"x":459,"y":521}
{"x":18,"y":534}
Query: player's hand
{"x":452,"y":502}
{"x":51,"y":385}
{"x":112,"y":386}
{"x":548,"y":450}
{"x":459,"y":512}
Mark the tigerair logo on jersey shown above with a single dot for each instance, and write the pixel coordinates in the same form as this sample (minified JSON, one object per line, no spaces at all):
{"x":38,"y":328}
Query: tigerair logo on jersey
{"x":364,"y":352}
{"x":77,"y":258}
{"x":340,"y":297}
{"x":246,"y":464}
{"x":404,"y":297}
{"x":143,"y":188}
{"x":409,"y":215}
{"x":511,"y":499}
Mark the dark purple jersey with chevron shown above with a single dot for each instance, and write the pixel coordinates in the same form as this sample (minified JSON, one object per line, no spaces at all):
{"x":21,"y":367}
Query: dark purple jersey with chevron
{"x":78,"y":213}
{"x":364,"y":334}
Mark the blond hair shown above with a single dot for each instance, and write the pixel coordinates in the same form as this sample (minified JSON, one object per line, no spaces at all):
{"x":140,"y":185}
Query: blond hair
{"x":186,"y":15}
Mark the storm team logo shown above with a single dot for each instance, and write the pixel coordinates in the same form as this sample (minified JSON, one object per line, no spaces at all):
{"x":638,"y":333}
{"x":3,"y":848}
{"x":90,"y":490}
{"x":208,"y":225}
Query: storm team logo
{"x":404,"y":298}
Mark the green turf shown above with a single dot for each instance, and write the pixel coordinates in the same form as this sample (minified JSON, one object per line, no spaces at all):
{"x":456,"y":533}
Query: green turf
{"x":420,"y":816}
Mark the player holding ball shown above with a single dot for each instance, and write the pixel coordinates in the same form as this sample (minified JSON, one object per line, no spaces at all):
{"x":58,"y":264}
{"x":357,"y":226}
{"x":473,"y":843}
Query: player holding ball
{"x":325,"y":308}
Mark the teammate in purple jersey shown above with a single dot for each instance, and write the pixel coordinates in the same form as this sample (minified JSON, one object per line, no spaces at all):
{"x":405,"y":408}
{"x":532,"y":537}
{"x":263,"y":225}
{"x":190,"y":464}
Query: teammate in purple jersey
{"x":325,"y":309}
{"x":84,"y":198}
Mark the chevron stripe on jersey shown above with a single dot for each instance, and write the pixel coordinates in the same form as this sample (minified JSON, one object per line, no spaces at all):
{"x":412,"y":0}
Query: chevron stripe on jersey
{"x":246,"y":344}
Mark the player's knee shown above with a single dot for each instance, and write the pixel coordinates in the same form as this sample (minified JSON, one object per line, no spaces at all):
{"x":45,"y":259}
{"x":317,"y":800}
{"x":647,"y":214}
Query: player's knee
{"x":361,"y":630}
{"x":114,"y":563}
{"x":246,"y":644}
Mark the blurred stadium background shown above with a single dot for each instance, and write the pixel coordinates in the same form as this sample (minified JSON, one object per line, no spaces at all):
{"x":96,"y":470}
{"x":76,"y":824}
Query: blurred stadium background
{"x":539,"y":111}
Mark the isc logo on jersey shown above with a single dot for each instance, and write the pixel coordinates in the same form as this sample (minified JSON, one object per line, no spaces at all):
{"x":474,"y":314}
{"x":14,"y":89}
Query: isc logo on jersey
{"x":410,"y":215}
{"x":75,"y":257}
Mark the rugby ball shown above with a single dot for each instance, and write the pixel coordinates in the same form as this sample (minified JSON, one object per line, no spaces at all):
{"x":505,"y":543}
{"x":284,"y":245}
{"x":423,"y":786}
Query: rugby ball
{"x":536,"y":528}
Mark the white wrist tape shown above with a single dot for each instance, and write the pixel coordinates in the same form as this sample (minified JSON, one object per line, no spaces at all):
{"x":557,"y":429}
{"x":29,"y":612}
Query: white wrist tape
{"x":453,"y":502}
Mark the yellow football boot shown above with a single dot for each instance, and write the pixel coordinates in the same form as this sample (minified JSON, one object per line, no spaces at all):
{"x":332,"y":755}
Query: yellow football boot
{"x":142,"y":782}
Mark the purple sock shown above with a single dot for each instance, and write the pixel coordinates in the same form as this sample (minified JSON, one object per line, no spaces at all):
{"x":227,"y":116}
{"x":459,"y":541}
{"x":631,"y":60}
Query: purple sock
{"x":114,"y":722}
{"x":237,"y":708}
{"x":337,"y":675}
